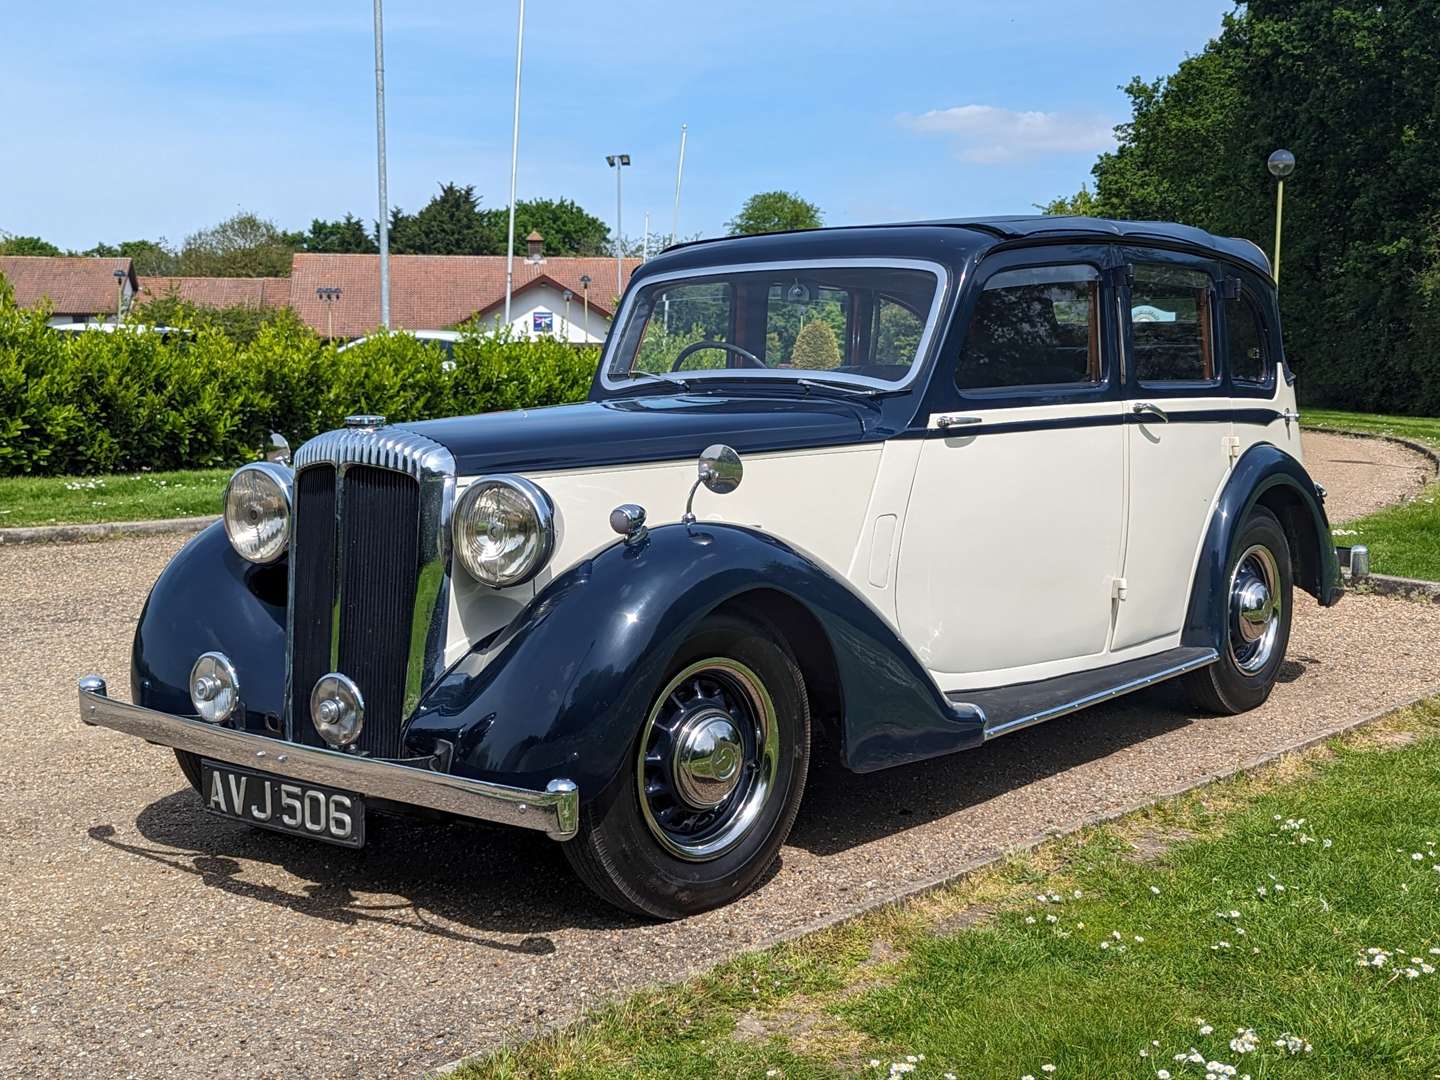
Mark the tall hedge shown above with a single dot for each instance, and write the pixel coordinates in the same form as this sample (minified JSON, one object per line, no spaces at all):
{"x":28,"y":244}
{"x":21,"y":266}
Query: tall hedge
{"x":109,"y":402}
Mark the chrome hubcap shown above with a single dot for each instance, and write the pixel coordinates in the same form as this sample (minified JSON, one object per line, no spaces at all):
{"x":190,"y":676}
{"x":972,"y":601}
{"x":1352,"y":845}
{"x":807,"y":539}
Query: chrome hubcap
{"x":708,"y":759}
{"x":1255,"y":613}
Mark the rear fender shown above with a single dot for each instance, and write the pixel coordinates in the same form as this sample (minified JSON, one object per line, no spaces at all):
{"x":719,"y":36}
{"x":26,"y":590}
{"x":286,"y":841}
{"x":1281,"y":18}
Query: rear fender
{"x":1264,"y":476}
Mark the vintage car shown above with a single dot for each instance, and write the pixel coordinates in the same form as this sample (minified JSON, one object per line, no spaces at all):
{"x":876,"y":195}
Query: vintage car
{"x":994,"y":471}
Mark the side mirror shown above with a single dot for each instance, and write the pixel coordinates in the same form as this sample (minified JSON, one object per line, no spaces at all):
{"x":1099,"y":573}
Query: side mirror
{"x":720,"y":470}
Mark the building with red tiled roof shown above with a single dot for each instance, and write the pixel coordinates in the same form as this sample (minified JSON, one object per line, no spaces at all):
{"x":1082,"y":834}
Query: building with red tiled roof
{"x":434,"y":292}
{"x":218,"y":292}
{"x":78,"y":288}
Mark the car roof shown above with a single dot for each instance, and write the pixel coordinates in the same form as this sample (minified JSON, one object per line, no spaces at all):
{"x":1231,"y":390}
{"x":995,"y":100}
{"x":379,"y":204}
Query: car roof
{"x":998,"y":228}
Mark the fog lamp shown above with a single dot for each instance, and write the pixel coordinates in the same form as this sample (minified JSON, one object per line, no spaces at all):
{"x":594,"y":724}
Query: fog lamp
{"x":337,"y":710}
{"x":214,"y":687}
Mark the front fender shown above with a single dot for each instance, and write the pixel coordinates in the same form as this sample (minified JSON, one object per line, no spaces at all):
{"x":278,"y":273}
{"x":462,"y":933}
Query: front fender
{"x":1264,"y":475}
{"x":563,"y":690}
{"x":209,"y":598}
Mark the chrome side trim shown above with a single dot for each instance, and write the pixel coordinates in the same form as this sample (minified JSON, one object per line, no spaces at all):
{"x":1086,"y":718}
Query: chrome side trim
{"x":1109,"y":694}
{"x":554,"y":811}
{"x":433,"y":467}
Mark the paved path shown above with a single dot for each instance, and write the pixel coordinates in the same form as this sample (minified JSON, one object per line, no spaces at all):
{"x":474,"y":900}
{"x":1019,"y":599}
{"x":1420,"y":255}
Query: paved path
{"x":144,"y":937}
{"x":1364,"y":475}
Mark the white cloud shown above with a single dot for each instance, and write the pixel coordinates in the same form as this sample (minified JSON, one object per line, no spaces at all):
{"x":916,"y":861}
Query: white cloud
{"x":989,"y":135}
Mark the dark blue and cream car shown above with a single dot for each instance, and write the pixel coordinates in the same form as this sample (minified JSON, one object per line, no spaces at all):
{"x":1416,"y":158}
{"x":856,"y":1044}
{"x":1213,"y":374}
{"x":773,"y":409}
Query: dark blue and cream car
{"x":954,"y":478}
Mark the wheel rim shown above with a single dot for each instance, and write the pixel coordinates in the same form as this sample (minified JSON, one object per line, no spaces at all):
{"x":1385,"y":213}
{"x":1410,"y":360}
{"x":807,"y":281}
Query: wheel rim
{"x":708,"y":758}
{"x":1255,"y":609}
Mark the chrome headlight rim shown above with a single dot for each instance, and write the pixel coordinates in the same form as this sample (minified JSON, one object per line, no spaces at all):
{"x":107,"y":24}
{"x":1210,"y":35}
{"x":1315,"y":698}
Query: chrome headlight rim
{"x":284,"y":479}
{"x":540,"y":506}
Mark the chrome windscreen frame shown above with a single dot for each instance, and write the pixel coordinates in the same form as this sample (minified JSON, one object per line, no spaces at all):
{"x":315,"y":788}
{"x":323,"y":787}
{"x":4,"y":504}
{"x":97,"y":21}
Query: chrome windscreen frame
{"x":433,"y":468}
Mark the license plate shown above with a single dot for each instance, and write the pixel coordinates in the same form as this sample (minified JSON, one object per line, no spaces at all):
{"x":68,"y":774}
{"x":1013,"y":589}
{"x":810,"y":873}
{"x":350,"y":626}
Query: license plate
{"x":288,"y":806}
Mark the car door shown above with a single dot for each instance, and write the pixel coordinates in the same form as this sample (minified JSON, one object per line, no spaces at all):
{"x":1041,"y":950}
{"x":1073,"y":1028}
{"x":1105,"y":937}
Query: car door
{"x":1012,"y":538}
{"x":1179,"y":434}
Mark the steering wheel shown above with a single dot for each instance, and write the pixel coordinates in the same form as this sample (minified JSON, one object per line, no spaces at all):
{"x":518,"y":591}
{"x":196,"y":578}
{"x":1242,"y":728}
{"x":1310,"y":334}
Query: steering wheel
{"x":754,"y":361}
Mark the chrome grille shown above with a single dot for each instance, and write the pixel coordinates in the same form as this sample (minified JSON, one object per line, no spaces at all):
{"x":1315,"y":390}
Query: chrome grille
{"x":369,"y":576}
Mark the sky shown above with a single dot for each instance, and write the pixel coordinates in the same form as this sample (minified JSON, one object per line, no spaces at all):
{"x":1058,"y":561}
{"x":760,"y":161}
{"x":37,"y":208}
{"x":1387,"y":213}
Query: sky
{"x":159,"y":119}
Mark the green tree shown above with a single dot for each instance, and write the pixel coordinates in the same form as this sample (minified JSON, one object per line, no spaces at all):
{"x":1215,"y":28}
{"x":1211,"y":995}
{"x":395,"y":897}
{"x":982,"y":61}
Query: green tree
{"x":568,"y":229}
{"x":26,"y":245}
{"x":243,"y":245}
{"x":1081,"y":204}
{"x":451,"y":223}
{"x":1349,"y":87}
{"x":816,"y":347}
{"x":774,"y":211}
{"x":347,"y":236}
{"x":148,"y":257}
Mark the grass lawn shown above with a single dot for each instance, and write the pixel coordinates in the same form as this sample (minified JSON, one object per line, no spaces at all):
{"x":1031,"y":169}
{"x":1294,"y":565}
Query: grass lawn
{"x":1405,"y":539}
{"x":65,"y":500}
{"x":1285,"y":924}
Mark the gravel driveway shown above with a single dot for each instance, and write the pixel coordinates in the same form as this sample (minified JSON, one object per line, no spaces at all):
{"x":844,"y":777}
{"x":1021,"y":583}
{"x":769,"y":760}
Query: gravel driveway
{"x":144,"y":937}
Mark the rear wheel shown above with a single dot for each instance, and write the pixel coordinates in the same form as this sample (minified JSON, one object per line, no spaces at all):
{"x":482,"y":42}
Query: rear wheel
{"x":714,"y":780}
{"x":1257,"y":624}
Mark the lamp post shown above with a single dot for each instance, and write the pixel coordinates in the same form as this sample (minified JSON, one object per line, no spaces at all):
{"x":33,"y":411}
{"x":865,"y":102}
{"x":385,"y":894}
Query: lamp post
{"x":327,"y":295}
{"x":383,"y":227}
{"x":565,"y":326}
{"x":1281,"y":165}
{"x":585,"y":294}
{"x":618,"y":162}
{"x":119,"y":293}
{"x":514,"y":161}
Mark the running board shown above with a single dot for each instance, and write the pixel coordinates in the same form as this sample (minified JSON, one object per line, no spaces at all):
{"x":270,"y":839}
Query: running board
{"x":1010,"y":708}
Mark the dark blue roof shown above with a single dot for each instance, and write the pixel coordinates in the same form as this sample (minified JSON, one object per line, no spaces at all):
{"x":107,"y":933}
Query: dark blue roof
{"x":1016,"y":226}
{"x":900,"y":238}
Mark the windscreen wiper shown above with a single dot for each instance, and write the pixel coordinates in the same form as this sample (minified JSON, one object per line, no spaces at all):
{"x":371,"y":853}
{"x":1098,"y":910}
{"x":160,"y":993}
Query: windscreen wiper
{"x":674,"y":380}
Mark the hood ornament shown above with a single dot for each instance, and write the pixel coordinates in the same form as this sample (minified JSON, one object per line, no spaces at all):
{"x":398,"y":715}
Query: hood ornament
{"x":365,"y":421}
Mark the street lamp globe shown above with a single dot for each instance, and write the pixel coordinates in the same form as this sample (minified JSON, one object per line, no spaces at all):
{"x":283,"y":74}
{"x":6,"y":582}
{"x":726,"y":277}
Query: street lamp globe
{"x":1281,"y":164}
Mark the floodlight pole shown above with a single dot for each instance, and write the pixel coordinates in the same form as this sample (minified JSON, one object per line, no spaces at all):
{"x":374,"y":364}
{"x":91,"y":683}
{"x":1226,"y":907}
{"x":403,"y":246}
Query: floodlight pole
{"x":618,"y":163}
{"x":514,"y":161}
{"x":383,"y":230}
{"x":679,"y":175}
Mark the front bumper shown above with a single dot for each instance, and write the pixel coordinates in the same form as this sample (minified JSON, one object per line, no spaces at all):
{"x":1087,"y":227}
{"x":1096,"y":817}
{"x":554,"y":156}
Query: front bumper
{"x":555,"y":811}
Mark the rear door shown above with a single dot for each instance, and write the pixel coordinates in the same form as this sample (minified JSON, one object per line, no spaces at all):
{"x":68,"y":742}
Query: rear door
{"x":1178,"y":434}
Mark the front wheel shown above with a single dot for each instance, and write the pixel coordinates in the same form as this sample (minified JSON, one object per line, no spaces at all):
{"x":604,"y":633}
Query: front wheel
{"x":714,"y":779}
{"x":1257,"y":622}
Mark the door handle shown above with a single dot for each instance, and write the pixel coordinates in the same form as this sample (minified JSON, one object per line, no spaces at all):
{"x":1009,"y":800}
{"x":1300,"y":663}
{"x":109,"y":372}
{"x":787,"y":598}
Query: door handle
{"x":949,"y":420}
{"x":1146,"y":407}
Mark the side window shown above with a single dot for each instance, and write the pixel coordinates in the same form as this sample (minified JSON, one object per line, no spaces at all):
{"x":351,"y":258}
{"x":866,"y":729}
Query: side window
{"x":1170,"y":324}
{"x":1245,"y":342}
{"x":1034,"y":327}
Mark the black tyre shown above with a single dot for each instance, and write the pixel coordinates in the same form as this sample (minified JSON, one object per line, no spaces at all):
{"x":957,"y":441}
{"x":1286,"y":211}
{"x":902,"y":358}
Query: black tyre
{"x":713,"y":780}
{"x":190,"y":766}
{"x":1257,"y":620}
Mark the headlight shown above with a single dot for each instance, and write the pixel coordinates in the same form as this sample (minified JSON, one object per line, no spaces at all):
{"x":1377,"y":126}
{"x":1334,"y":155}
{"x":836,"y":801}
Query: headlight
{"x":504,"y":530}
{"x":257,"y":511}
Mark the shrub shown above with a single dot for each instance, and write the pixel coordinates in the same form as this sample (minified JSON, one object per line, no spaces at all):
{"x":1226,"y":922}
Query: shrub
{"x":816,"y":347}
{"x":103,"y":402}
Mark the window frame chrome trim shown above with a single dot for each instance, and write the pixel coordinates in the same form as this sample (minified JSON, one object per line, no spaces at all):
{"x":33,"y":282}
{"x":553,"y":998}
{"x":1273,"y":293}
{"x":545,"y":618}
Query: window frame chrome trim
{"x":922,"y":353}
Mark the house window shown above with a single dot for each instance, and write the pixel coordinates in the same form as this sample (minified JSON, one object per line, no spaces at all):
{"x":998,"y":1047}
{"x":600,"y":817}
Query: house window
{"x":1034,"y":327}
{"x":1170,"y":324}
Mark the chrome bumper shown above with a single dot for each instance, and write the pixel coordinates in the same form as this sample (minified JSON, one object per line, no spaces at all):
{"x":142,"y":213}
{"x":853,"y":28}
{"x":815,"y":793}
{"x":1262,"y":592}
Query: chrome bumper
{"x":555,"y":811}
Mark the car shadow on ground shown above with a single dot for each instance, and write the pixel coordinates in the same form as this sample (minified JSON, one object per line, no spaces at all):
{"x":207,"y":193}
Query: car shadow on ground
{"x":470,"y":882}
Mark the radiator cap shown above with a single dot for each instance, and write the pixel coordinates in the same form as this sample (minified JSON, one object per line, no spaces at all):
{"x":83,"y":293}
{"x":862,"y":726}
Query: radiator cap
{"x":367,"y":421}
